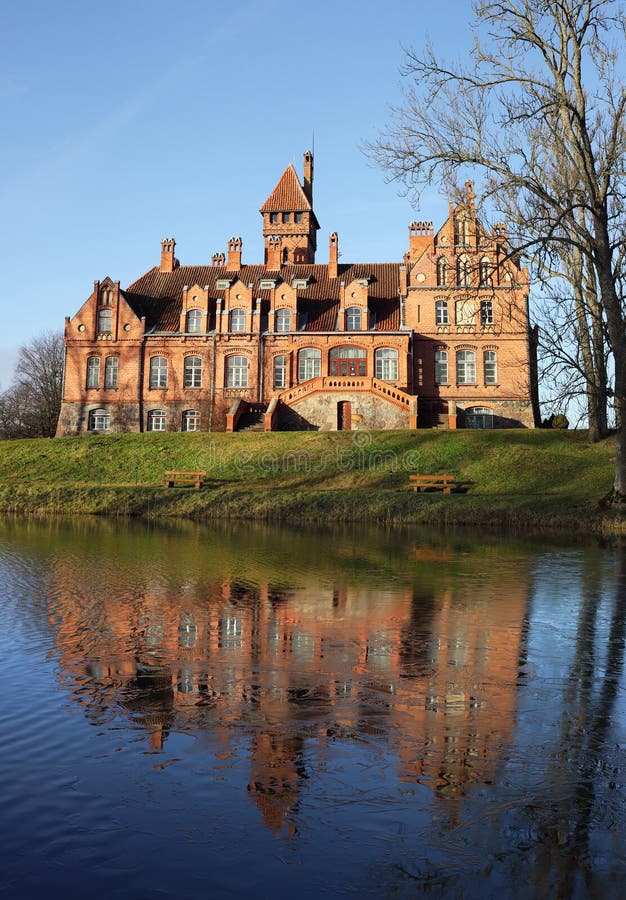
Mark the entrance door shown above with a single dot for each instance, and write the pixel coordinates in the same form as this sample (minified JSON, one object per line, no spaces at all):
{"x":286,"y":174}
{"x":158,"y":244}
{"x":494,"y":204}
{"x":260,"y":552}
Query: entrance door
{"x":344,"y":415}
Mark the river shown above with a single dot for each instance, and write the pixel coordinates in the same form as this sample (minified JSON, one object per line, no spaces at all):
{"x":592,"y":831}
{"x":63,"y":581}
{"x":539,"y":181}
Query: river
{"x":245,"y":711}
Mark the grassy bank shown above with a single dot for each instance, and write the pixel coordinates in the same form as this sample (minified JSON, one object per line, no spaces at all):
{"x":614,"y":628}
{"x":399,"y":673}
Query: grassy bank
{"x":526,"y":479}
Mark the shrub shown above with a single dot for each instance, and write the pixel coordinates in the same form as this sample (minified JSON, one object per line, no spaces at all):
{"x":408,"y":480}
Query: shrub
{"x":560,"y":421}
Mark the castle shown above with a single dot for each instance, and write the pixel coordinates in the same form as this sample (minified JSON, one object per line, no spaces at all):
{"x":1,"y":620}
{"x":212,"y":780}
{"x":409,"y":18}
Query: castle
{"x":441,"y":339}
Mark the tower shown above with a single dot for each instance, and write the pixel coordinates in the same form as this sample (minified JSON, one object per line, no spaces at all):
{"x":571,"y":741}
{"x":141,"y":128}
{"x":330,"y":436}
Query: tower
{"x":288,"y":215}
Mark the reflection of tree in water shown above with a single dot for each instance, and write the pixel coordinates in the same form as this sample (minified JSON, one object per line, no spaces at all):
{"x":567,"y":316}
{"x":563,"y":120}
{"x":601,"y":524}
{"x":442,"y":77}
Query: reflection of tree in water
{"x":581,"y":772}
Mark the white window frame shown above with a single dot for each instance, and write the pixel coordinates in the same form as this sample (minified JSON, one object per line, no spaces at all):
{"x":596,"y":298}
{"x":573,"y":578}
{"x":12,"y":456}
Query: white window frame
{"x":99,"y":420}
{"x":157,"y":420}
{"x":237,"y":320}
{"x":111,"y":368}
{"x":194,"y":321}
{"x":237,"y":367}
{"x":486,"y":312}
{"x":490,"y":366}
{"x":354,"y":316}
{"x":309,"y":363}
{"x":191,"y":420}
{"x":386,"y":364}
{"x":441,"y":312}
{"x":466,"y":367}
{"x":192,"y":372}
{"x":283,"y":320}
{"x":93,"y":373}
{"x":441,"y":367}
{"x":158,"y":372}
{"x":280,"y":372}
{"x":105,"y":320}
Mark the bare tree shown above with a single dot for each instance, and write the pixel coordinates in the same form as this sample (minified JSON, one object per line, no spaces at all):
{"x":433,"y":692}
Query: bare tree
{"x":538,"y":110}
{"x":30,"y":406}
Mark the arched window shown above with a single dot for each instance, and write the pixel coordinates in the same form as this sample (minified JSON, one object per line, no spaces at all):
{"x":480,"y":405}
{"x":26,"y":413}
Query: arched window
{"x":442,"y":271}
{"x":465,"y":367}
{"x":156,"y":420}
{"x":192,"y":375}
{"x":158,"y":372}
{"x":484,"y":272}
{"x":461,"y":230}
{"x":99,"y":420}
{"x":441,"y":312}
{"x":478,"y":417}
{"x":238,"y":320}
{"x":194,"y":321}
{"x":111,"y":366}
{"x":441,"y":367}
{"x":93,"y":372}
{"x":236,"y":372}
{"x":280,"y":371}
{"x":463,"y":271}
{"x":486,"y":312}
{"x":283,"y":320}
{"x":309,"y":364}
{"x":490,"y":363}
{"x":191,"y":420}
{"x":106,"y":297}
{"x":386,"y":364}
{"x":348,"y":361}
{"x":105,"y":321}
{"x":353,"y":319}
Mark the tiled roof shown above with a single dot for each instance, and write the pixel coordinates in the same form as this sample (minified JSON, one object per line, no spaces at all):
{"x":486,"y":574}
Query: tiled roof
{"x":288,"y":195}
{"x":158,"y":295}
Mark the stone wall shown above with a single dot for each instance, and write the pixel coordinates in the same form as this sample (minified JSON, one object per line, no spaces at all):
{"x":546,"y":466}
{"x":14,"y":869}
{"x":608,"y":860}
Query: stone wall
{"x":319,"y":412}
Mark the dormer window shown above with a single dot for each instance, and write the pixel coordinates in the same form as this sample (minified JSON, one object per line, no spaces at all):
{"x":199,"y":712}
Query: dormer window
{"x":222,"y":284}
{"x":194,"y":321}
{"x":300,"y":283}
{"x":353,"y":319}
{"x":238,"y":320}
{"x":267,"y":284}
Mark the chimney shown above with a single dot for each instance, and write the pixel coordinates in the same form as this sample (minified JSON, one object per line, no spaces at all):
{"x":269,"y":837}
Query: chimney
{"x":234,"y":253}
{"x":308,"y":176}
{"x":168,"y":263}
{"x":333,"y":256}
{"x":403,"y":288}
{"x":421,"y":237}
{"x":273,"y":259}
{"x":218,"y":259}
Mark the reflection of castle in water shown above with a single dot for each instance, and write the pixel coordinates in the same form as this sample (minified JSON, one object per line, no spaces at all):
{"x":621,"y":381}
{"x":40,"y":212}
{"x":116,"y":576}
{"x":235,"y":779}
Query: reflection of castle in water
{"x":429,"y":674}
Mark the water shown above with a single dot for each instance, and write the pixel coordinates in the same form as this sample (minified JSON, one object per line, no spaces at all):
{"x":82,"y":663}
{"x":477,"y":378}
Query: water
{"x":249,"y":712}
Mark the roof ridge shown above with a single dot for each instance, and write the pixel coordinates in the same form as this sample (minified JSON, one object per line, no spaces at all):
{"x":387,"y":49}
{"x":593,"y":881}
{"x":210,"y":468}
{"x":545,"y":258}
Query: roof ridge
{"x":288,"y":194}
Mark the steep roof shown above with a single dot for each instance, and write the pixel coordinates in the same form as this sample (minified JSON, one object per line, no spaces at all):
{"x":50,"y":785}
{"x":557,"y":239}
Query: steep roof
{"x":157,"y":296}
{"x":288,"y":195}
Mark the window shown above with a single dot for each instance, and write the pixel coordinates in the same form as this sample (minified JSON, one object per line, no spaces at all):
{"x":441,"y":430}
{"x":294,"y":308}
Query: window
{"x":442,"y":271}
{"x":285,"y":255}
{"x":353,"y":319}
{"x":463,"y":271}
{"x":111,"y":366}
{"x":194,"y":321}
{"x":99,"y":420}
{"x":297,"y":217}
{"x":441,"y":312}
{"x":309,"y":364}
{"x":283,"y":320}
{"x":486,"y":312}
{"x":156,"y":420}
{"x":490,"y":362}
{"x":238,"y":320}
{"x":105,"y":321}
{"x":478,"y":417}
{"x":274,"y":218}
{"x":192,"y":375}
{"x":348,"y":361}
{"x":441,"y":367}
{"x":461,"y":229}
{"x":106,"y":297}
{"x":93,"y":372}
{"x":465,"y":367}
{"x":286,"y":218}
{"x":280,"y":371}
{"x":191,"y":420}
{"x":386,"y":364}
{"x":236,"y":372}
{"x":484,"y":273}
{"x":158,"y":372}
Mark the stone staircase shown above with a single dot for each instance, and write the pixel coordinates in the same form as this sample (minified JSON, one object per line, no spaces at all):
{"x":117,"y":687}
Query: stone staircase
{"x":253,"y":420}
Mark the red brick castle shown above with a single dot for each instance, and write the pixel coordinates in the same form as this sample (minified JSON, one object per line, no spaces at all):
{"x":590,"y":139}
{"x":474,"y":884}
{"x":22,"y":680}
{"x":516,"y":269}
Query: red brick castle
{"x":441,"y":339}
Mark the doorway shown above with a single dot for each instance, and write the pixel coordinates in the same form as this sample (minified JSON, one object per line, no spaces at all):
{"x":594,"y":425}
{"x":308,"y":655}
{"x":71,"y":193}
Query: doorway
{"x":344,"y":415}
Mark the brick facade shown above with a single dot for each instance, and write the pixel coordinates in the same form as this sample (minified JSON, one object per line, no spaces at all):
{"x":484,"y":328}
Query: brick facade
{"x":440,"y":339}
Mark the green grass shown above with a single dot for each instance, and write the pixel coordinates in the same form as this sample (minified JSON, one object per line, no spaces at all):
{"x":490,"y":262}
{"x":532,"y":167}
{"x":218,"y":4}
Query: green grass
{"x":516,"y":478}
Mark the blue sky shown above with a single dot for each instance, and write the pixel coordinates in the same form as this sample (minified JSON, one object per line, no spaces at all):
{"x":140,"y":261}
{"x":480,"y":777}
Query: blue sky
{"x":133,"y":120}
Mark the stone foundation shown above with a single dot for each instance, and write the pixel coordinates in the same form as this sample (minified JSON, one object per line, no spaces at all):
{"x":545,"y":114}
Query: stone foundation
{"x":320,"y":412}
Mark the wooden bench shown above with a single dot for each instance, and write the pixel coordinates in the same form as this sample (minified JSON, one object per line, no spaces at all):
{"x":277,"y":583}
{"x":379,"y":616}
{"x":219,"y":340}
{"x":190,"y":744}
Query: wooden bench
{"x":445,"y":483}
{"x":195,"y":478}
